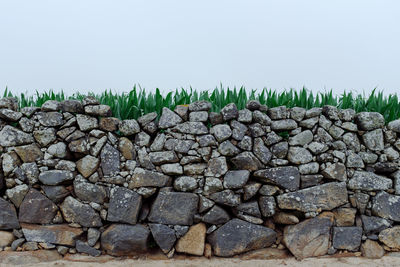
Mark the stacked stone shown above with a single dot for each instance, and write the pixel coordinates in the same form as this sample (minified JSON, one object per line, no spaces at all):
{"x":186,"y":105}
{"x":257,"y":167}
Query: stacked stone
{"x":318,"y":181}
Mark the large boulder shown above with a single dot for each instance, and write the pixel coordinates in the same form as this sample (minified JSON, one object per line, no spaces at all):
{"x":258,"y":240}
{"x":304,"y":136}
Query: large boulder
{"x":174,"y":208}
{"x":124,"y":206}
{"x":309,"y":238}
{"x":59,"y":234}
{"x":286,"y":177}
{"x":124,"y":239}
{"x":313,"y":199}
{"x":238,"y":236}
{"x":8,"y":216}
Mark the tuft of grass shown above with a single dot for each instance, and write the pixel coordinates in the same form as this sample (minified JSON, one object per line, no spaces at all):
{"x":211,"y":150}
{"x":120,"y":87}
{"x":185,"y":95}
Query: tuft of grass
{"x":138,"y":101}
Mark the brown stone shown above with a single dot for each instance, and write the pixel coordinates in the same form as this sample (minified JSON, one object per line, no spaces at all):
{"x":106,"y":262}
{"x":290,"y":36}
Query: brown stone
{"x":126,"y":148}
{"x":193,"y":241}
{"x":28,"y":257}
{"x":345,"y":216}
{"x":391,"y":237}
{"x":285,"y":218}
{"x":6,"y":238}
{"x":29,"y":153}
{"x":36,"y":208}
{"x":265,"y":254}
{"x":87,"y":165}
{"x":372,"y":250}
{"x":60,"y":234}
{"x":207,"y":251}
{"x":109,"y":124}
{"x":309,"y":238}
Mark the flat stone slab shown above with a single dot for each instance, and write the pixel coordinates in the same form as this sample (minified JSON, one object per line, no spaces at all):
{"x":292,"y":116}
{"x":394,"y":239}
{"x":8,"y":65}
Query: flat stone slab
{"x":60,"y":234}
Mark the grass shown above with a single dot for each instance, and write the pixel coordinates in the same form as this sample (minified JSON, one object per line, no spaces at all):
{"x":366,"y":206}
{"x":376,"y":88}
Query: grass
{"x":138,"y":102}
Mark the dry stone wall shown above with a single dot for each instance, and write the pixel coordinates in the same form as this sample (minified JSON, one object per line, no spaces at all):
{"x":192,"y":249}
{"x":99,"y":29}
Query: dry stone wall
{"x":315,"y":182}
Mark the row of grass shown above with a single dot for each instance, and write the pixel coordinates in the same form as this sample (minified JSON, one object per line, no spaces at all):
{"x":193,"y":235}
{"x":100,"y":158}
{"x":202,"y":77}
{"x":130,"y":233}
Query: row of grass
{"x":138,"y":102}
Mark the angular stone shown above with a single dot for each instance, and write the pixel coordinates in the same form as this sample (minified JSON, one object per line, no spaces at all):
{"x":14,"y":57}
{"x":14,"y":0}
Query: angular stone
{"x":74,"y":106}
{"x":369,"y":181}
{"x":98,"y":110}
{"x":93,"y":236}
{"x":372,"y":250}
{"x":226,"y":148}
{"x":374,"y":225}
{"x":163,"y":235}
{"x":83,"y":247}
{"x":124,"y":206}
{"x":374,"y":140}
{"x":229,"y":112}
{"x":336,"y":171}
{"x":221,"y":132}
{"x":299,"y":155}
{"x":10,"y":115}
{"x":168,"y":119}
{"x":193,"y":241}
{"x":348,"y":238}
{"x":217,"y":167}
{"x":87,"y":165}
{"x":168,"y":208}
{"x":185,"y":184}
{"x":267,"y":206}
{"x":142,"y":177}
{"x":60,"y":234}
{"x":9,"y":102}
{"x":261,"y":118}
{"x":86,"y":123}
{"x":55,"y":177}
{"x":125,"y":239}
{"x":172,"y":169}
{"x":238,"y":236}
{"x":367,"y":121}
{"x":261,"y":151}
{"x":310,"y":238}
{"x":301,"y":139}
{"x":226,"y":197}
{"x":201,"y":105}
{"x":163,"y":157}
{"x":247,"y":161}
{"x":285,"y":218}
{"x":45,"y":137}
{"x":50,"y":119}
{"x":6,"y":239}
{"x":322,"y":197}
{"x":286,"y":177}
{"x":55,"y":193}
{"x":10,"y":136}
{"x":386,"y":206}
{"x":216,"y":215}
{"x":17,"y":194}
{"x":297,"y":113}
{"x":236,"y":179}
{"x":36,"y":208}
{"x":58,"y":150}
{"x":29,"y":153}
{"x":110,"y":160}
{"x":8,"y":216}
{"x":89,"y":192}
{"x":345,"y":216}
{"x":391,"y":237}
{"x":75,"y":211}
{"x":191,"y":127}
{"x":128,"y":127}
{"x":394,"y":126}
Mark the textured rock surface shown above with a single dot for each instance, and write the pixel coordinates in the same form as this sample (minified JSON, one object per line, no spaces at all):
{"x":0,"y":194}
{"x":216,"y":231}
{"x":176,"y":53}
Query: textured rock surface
{"x":60,"y":234}
{"x":193,"y":241}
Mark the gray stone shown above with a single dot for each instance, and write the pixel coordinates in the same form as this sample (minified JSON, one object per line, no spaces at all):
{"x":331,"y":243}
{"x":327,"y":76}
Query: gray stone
{"x":83,"y":247}
{"x":245,"y":116}
{"x":168,"y":119}
{"x":247,"y":237}
{"x":261,"y":118}
{"x":217,"y":167}
{"x":8,"y":216}
{"x":55,"y":177}
{"x":394,"y":126}
{"x":168,"y":208}
{"x":374,"y":140}
{"x":76,"y":212}
{"x":267,"y":206}
{"x":89,"y":192}
{"x":299,"y":155}
{"x":205,"y":204}
{"x":280,"y":149}
{"x":10,"y":136}
{"x":86,"y":123}
{"x":110,"y":160}
{"x":336,"y":171}
{"x":185,"y":184}
{"x":310,"y":180}
{"x":58,"y":150}
{"x":60,"y":234}
{"x":9,"y":102}
{"x":125,"y":240}
{"x":247,"y":161}
{"x":309,"y":168}
{"x":348,"y":238}
{"x":51,"y":105}
{"x":129,"y":127}
{"x":322,"y":197}
{"x":331,"y":112}
{"x":124,"y":206}
{"x":74,"y":106}
{"x":236,"y":179}
{"x":226,"y":197}
{"x":50,"y":119}
{"x":147,"y":118}
{"x":250,"y":190}
{"x":261,"y":151}
{"x":374,"y":225}
{"x":55,"y":193}
{"x":283,"y":125}
{"x":98,"y":110}
{"x":191,"y":127}
{"x":309,"y":238}
{"x":369,"y":181}
{"x":216,"y":215}
{"x":250,"y":208}
{"x":256,"y":130}
{"x":17,"y":194}
{"x":391,"y":238}
{"x":201,"y":105}
{"x":238,"y":130}
{"x":172,"y":169}
{"x":253,"y":105}
{"x":229,"y":112}
{"x":206,"y":140}
{"x":297,"y":113}
{"x":142,"y":177}
{"x":162,"y":157}
{"x":10,"y":115}
{"x":212,"y":185}
{"x":163,"y":235}
{"x":87,"y":165}
{"x":93,"y":236}
{"x":386,"y":206}
{"x":354,"y":160}
{"x":278,"y":113}
{"x":226,"y":148}
{"x":301,"y":139}
{"x":286,"y":177}
{"x":36,"y":208}
{"x":309,"y":123}
{"x":221,"y":132}
{"x":368,"y":121}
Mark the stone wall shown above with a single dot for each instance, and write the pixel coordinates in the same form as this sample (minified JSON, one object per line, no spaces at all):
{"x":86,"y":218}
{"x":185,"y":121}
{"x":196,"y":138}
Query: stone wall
{"x":315,"y":182}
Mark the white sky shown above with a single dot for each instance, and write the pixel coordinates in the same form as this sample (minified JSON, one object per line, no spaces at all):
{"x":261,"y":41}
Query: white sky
{"x":92,"y":45}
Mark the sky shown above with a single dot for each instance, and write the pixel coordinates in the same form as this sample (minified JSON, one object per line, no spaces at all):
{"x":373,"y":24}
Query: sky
{"x":93,"y":45}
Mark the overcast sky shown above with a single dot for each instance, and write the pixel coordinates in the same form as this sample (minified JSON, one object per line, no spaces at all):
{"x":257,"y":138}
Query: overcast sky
{"x":92,"y":45}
